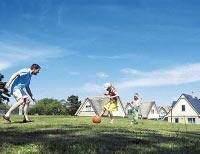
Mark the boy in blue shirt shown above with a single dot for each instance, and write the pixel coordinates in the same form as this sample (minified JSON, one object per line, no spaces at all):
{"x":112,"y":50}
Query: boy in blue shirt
{"x":18,"y":82}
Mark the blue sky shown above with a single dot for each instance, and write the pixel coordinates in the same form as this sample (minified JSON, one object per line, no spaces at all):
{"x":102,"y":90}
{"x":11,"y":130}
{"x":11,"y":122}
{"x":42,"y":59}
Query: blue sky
{"x":145,"y":46}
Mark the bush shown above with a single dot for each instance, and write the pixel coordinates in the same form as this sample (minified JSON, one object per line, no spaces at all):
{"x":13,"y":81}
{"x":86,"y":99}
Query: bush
{"x":48,"y":106}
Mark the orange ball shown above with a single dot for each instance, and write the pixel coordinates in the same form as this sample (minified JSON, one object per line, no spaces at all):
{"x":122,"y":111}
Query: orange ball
{"x":96,"y":119}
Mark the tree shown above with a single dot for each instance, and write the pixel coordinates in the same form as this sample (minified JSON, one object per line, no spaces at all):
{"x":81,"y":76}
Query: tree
{"x":4,"y":107}
{"x":73,"y":104}
{"x":48,"y":106}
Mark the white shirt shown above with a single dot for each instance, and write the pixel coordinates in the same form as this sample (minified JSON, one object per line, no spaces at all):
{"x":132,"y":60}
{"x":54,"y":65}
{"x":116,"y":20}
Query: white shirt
{"x":136,"y":103}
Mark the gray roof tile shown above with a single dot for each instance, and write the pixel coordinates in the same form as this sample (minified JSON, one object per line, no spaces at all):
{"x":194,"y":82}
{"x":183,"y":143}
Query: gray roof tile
{"x":194,"y":101}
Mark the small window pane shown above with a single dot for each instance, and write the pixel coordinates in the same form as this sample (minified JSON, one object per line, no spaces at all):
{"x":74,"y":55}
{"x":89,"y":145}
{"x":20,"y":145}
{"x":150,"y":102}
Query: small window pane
{"x":183,"y":107}
{"x":191,"y":120}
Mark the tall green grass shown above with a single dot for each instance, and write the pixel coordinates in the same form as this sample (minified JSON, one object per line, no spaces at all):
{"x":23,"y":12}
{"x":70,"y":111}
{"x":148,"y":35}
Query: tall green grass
{"x":78,"y":135}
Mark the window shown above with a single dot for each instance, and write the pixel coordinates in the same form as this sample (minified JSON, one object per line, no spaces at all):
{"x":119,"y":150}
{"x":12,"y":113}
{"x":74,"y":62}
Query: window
{"x":176,"y":120}
{"x":88,"y":108}
{"x":183,"y":107}
{"x":152,"y":111}
{"x":191,"y":120}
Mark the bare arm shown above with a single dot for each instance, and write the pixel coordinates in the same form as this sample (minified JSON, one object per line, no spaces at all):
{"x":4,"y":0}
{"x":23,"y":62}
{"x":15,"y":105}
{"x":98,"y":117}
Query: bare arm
{"x":116,"y":95}
{"x":30,"y":93}
{"x":113,"y":96}
{"x":15,"y":75}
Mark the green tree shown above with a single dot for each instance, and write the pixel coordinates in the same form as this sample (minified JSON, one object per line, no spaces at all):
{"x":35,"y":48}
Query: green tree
{"x":48,"y":106}
{"x":73,"y":104}
{"x":4,"y":107}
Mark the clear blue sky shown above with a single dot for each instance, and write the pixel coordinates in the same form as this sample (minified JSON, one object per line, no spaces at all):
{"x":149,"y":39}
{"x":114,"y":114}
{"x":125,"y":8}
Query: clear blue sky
{"x":145,"y":46}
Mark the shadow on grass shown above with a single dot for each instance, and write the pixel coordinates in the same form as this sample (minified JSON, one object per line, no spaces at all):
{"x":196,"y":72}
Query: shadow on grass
{"x":85,"y":139}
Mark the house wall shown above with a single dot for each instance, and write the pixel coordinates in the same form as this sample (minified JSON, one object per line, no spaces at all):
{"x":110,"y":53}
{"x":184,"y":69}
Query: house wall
{"x":162,"y":113}
{"x":184,"y":119}
{"x":87,"y":110}
{"x":119,"y":113}
{"x":87,"y":107}
{"x":153,"y":114}
{"x":87,"y":113}
{"x":177,"y":109}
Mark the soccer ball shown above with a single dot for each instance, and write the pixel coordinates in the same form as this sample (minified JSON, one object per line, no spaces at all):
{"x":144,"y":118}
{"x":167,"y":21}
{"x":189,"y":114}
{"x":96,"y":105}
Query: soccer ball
{"x":96,"y":119}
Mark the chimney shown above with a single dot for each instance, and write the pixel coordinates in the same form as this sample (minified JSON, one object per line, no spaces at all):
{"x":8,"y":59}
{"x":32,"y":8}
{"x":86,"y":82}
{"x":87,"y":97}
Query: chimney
{"x":193,"y":95}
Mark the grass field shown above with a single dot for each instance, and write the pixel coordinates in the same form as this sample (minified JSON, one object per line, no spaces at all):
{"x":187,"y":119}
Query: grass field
{"x":78,"y":135}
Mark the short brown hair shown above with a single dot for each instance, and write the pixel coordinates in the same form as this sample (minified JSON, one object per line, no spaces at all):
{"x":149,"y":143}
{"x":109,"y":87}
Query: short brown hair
{"x":35,"y":66}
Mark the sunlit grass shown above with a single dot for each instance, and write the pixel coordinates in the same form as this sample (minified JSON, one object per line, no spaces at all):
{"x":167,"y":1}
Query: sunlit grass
{"x":65,"y":134}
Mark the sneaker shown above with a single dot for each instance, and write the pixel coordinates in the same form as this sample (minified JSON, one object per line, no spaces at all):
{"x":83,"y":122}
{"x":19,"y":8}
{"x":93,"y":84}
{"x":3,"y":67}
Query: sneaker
{"x":111,"y":121}
{"x":134,"y":123}
{"x":7,"y":119}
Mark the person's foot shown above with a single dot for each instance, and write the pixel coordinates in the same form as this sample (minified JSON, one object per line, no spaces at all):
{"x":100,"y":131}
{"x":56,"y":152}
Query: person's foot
{"x":7,"y":119}
{"x":111,"y":121}
{"x":134,"y":122}
{"x":25,"y":121}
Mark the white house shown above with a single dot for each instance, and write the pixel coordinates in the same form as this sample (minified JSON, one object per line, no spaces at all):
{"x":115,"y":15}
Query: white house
{"x":149,"y":110}
{"x":163,"y":111}
{"x":185,"y":110}
{"x":93,"y":106}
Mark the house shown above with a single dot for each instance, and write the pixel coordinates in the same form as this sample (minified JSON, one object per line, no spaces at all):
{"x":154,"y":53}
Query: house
{"x":148,"y":110}
{"x":93,"y":106}
{"x":185,"y":110}
{"x":163,"y":111}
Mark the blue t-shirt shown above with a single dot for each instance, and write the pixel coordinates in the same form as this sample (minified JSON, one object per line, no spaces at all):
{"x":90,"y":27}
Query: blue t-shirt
{"x":22,"y":80}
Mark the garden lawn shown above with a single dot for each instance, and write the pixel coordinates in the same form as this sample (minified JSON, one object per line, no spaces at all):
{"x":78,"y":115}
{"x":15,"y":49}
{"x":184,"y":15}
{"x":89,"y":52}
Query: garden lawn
{"x":78,"y":135}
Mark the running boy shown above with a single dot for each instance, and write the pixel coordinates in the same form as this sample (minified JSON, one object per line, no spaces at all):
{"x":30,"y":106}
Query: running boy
{"x":112,"y":105}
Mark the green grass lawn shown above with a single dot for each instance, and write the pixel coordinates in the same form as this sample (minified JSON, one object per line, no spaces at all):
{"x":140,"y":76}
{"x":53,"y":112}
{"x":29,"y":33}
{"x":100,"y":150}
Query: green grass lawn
{"x":78,"y":135}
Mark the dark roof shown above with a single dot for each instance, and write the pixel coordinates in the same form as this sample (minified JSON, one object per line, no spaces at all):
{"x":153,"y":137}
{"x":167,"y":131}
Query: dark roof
{"x":194,"y":101}
{"x":173,"y":103}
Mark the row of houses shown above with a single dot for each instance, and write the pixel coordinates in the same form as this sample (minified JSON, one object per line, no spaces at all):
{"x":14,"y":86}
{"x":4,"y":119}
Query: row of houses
{"x":185,"y":110}
{"x":93,"y":106}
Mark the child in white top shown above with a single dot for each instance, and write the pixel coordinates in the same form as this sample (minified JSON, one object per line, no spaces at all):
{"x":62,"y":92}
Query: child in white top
{"x":135,"y":105}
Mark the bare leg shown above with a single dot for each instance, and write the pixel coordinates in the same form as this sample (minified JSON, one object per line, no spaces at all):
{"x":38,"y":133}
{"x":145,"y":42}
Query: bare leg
{"x":26,"y":107}
{"x":16,"y":105}
{"x":102,"y":112}
{"x":111,"y":117}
